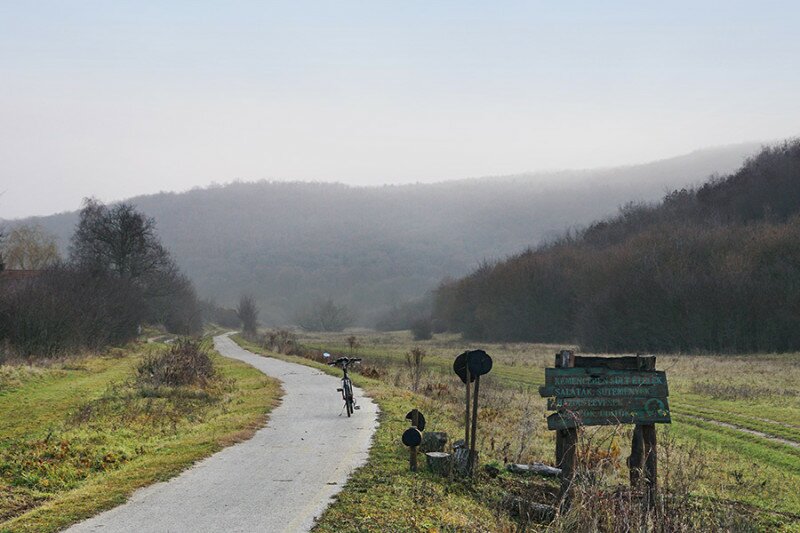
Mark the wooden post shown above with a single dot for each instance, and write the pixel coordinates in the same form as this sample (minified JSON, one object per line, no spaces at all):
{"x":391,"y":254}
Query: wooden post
{"x":566,"y":441}
{"x":636,"y":459}
{"x":650,"y":462}
{"x":559,"y":448}
{"x":471,"y":458}
{"x":568,"y":465}
{"x":413,"y":460}
{"x":466,"y":415}
{"x":649,"y":458}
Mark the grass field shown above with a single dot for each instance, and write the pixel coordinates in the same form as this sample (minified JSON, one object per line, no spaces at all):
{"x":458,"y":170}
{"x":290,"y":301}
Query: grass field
{"x":735,"y":436}
{"x":77,"y":436}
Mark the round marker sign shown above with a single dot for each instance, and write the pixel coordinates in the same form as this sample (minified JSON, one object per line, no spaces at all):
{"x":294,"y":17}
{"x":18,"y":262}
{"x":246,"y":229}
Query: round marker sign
{"x":479,"y":364}
{"x":420,"y":419}
{"x":412,"y":437}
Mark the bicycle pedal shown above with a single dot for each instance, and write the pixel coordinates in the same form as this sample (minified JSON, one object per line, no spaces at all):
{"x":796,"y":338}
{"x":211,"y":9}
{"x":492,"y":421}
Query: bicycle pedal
{"x":357,"y":407}
{"x":339,"y":390}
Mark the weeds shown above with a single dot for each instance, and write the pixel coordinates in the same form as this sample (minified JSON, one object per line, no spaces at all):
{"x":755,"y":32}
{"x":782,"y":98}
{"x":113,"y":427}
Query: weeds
{"x":601,"y":506}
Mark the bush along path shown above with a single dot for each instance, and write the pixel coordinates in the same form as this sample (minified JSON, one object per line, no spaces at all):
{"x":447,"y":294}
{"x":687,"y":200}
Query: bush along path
{"x":279,"y":480}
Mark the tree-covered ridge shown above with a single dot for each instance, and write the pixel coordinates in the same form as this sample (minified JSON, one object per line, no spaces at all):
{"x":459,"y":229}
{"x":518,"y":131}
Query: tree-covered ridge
{"x":293,"y":245}
{"x":716,"y":267}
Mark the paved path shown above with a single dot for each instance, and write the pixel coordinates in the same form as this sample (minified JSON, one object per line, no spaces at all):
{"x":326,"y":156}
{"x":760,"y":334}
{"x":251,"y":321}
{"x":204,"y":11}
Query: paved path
{"x":279,"y":480}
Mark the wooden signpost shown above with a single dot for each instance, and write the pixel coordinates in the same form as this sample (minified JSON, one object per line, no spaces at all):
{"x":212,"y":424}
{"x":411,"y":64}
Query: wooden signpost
{"x":470,"y":366}
{"x":412,"y":437}
{"x":593,"y":391}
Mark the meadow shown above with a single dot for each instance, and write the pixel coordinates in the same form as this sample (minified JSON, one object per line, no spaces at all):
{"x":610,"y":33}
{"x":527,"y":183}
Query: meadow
{"x":733,"y":445}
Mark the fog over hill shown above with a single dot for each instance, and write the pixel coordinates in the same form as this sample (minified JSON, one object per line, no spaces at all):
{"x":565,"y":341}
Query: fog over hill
{"x":290,"y":244}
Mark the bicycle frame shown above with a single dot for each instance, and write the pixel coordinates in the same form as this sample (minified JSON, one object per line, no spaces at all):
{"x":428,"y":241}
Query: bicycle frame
{"x":347,"y":385}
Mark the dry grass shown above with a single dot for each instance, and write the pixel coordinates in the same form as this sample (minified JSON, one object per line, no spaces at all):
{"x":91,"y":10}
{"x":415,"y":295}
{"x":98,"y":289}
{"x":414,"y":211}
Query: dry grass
{"x":732,"y":473}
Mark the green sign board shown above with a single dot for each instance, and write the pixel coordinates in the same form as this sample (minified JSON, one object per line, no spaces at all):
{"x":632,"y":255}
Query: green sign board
{"x":596,"y":395}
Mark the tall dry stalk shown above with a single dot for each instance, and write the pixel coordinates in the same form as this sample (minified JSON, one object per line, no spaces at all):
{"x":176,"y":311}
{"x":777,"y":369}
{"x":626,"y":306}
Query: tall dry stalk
{"x":414,"y":363}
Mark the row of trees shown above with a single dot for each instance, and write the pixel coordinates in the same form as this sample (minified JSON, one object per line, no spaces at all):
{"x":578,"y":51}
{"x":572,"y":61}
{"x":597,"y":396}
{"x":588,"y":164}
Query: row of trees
{"x":118,"y":276}
{"x":714,"y":268}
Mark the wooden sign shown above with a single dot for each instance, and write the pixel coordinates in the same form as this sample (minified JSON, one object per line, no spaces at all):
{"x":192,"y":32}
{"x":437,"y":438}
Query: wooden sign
{"x":597,"y":396}
{"x":596,"y":391}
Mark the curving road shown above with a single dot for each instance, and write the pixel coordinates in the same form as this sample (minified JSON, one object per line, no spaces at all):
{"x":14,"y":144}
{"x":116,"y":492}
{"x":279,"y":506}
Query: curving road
{"x":279,"y":480}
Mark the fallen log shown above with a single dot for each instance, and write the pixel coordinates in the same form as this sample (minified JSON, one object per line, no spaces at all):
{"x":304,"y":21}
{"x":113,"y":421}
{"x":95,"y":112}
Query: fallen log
{"x":534,"y":468}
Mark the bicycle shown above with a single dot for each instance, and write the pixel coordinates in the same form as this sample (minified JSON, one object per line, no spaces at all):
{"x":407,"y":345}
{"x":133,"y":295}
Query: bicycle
{"x":347,"y":385}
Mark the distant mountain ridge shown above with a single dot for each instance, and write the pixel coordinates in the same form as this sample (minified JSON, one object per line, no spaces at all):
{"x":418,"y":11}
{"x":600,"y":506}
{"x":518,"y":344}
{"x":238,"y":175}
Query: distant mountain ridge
{"x":291,"y":243}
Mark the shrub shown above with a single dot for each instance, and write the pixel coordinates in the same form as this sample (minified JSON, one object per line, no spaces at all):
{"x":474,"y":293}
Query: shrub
{"x":184,"y":363}
{"x":281,"y":341}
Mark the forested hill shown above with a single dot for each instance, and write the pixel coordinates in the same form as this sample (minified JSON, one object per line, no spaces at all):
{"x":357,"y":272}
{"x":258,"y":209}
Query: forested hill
{"x":369,"y":248}
{"x":715,"y":267}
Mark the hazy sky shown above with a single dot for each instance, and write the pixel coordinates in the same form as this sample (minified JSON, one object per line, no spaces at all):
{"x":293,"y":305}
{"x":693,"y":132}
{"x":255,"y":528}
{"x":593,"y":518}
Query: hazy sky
{"x":113,"y":99}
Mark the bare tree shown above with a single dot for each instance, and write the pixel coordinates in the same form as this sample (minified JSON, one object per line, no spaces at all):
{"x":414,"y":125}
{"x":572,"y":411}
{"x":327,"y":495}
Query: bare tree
{"x":119,"y":240}
{"x":247,"y":311}
{"x":29,"y":247}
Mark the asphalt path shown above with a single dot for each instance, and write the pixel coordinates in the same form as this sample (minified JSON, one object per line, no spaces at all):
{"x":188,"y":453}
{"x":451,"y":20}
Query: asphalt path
{"x":279,"y":480}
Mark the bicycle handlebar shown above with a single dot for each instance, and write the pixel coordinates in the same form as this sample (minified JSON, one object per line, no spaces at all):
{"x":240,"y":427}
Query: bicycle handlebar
{"x":345,"y":360}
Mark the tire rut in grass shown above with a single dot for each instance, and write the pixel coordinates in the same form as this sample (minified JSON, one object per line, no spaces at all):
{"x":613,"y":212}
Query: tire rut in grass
{"x":761,"y":434}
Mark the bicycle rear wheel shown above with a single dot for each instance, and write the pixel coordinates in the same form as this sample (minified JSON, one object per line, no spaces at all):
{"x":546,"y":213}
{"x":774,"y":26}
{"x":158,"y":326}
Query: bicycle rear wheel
{"x":348,"y":397}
